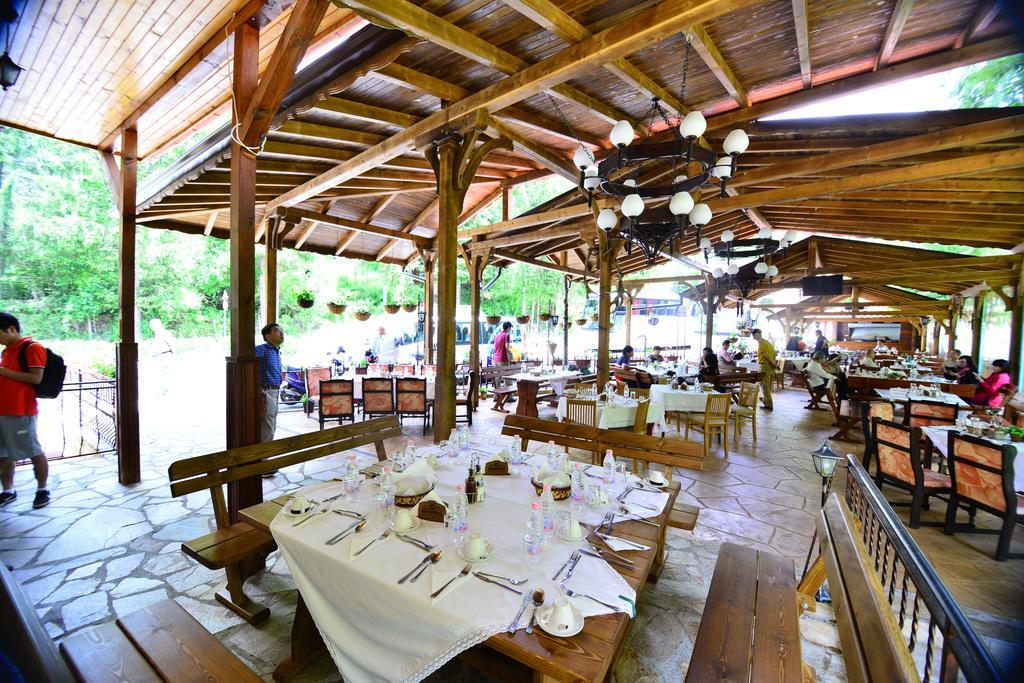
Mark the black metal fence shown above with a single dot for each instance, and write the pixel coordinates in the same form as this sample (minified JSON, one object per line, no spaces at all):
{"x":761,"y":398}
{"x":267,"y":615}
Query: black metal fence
{"x":82,"y":420}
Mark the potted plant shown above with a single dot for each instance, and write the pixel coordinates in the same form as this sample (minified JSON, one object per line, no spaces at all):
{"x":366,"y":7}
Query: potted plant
{"x":336,"y":308}
{"x":410,"y":306}
{"x":493,"y":319}
{"x":305,"y":298}
{"x":363,"y":366}
{"x":581,"y":321}
{"x":1016,"y":434}
{"x":594,"y":317}
{"x":363,"y":312}
{"x":391,"y":309}
{"x":522,"y":319}
{"x":544,"y":317}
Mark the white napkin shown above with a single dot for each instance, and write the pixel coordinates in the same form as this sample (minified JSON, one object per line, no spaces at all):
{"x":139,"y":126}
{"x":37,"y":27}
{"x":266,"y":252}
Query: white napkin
{"x":357,"y":542}
{"x":556,"y":478}
{"x":596,"y":577}
{"x":420,"y":468}
{"x":439,"y":577}
{"x":639,"y":503}
{"x":620,"y":546}
{"x":433,"y":495}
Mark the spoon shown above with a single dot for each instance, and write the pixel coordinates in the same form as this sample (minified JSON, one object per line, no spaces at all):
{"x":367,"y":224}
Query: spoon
{"x":434,"y":558}
{"x":422,"y":563}
{"x":538,"y":600}
{"x":354,"y":529}
{"x":514,"y":582}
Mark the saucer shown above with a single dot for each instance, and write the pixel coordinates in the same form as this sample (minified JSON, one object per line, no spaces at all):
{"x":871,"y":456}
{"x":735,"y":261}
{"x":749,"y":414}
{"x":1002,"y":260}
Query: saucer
{"x":566,"y":537}
{"x":488,"y":554}
{"x":416,"y":521}
{"x":574,"y":628}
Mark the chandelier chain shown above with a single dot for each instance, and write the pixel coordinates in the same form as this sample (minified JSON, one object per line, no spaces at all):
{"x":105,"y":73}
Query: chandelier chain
{"x":565,"y":122}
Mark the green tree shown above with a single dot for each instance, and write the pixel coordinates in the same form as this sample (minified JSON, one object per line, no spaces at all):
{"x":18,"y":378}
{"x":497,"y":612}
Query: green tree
{"x":996,"y":83}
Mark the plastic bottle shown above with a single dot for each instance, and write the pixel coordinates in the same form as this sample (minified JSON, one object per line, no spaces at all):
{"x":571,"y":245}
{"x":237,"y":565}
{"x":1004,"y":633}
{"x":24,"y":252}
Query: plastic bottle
{"x":387,"y":490}
{"x":578,"y":494}
{"x":410,"y":453}
{"x":515,"y":453}
{"x":608,"y":476}
{"x":552,"y":456}
{"x":351,"y":476}
{"x":463,"y":441}
{"x":535,"y":522}
{"x":547,"y":509}
{"x":461,"y":510}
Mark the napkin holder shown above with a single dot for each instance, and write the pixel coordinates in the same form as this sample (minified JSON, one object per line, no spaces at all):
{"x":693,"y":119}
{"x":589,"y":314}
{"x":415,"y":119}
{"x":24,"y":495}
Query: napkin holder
{"x":499,"y":467}
{"x":431,"y":511}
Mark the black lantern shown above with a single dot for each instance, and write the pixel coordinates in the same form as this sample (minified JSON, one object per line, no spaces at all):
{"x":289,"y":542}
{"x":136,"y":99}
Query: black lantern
{"x":9,"y":71}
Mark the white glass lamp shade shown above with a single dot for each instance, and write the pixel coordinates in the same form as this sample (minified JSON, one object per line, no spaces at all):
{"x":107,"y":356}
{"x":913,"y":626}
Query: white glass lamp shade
{"x":606,"y":219}
{"x":732,"y":269}
{"x":761,"y":268}
{"x":680,"y":204}
{"x":632,"y":205}
{"x":622,"y":134}
{"x":693,"y":125}
{"x":764,"y":234}
{"x":773,"y":271}
{"x":728,"y":236}
{"x":717,"y":273}
{"x":700,"y":215}
{"x":590,"y":179}
{"x":705,"y":244}
{"x":790,"y":236}
{"x":629,"y":182}
{"x":736,"y":142}
{"x":582,"y":158}
{"x":723,"y":168}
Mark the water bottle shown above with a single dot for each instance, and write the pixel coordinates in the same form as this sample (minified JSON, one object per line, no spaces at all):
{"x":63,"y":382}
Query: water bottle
{"x":577,"y":495}
{"x":386,"y":500}
{"x":463,"y":441}
{"x":515,"y":453}
{"x":552,"y":456}
{"x":608,"y":475}
{"x":535,"y":522}
{"x":461,"y":510}
{"x":410,"y":453}
{"x":352,"y":476}
{"x":547,"y":505}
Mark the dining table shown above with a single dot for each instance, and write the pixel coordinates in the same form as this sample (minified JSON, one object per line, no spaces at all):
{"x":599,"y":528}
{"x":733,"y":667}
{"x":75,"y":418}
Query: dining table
{"x":680,"y":400}
{"x":898,"y":395}
{"x":528,"y":386}
{"x":376,"y":629}
{"x":619,"y":413}
{"x":939,"y":437}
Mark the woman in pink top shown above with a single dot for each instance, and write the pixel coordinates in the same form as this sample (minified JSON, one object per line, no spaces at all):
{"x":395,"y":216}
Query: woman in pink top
{"x":501,"y":340}
{"x":988,"y":393}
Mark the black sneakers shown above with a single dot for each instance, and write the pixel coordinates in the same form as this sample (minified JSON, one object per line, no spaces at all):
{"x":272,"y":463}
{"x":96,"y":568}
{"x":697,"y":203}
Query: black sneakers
{"x":6,"y":497}
{"x":42,"y":499}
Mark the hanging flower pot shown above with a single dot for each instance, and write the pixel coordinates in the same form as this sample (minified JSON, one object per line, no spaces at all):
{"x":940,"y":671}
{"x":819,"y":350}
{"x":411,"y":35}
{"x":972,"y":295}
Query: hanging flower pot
{"x":305,"y":298}
{"x":362,"y":315}
{"x":544,"y":317}
{"x":336,"y":309}
{"x":594,"y":317}
{"x":493,"y":319}
{"x":392,"y":308}
{"x":581,"y":321}
{"x":522,"y":319}
{"x":409,"y":307}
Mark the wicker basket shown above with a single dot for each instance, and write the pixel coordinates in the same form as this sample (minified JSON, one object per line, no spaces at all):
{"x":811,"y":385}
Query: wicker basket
{"x":581,"y":321}
{"x":493,"y":319}
{"x":544,"y":317}
{"x":558,"y":492}
{"x":410,"y":501}
{"x":522,"y":319}
{"x":362,"y":315}
{"x":409,"y":308}
{"x":392,"y":308}
{"x":336,"y":309}
{"x":305,"y":303}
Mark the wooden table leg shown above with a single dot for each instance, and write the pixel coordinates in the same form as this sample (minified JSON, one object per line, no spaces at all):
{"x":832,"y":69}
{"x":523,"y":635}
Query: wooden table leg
{"x":527,"y":405}
{"x":306,"y":644}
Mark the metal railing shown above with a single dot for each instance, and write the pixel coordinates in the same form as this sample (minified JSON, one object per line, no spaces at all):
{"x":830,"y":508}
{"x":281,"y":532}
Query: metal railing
{"x":82,"y":420}
{"x":915,"y":592}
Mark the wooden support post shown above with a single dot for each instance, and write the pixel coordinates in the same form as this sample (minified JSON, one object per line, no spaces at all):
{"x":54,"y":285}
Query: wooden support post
{"x":709,"y":312}
{"x":429,"y":257}
{"x":243,"y":386}
{"x":476,"y":265}
{"x":629,"y":317}
{"x":567,"y":284}
{"x":270,"y":271}
{"x":504,"y":204}
{"x":449,"y":208}
{"x":606,"y":254}
{"x":977,"y":321}
{"x":129,"y":469}
{"x":936,"y":331}
{"x":1017,"y":328}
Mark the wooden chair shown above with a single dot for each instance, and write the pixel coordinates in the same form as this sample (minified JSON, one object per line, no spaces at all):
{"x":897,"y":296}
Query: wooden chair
{"x":1013,"y":410}
{"x":580,"y":411}
{"x":405,"y":369}
{"x":900,"y":463}
{"x":644,"y":380}
{"x":780,"y":372}
{"x":643,"y":409}
{"x":746,"y":409}
{"x":878,"y":408}
{"x":844,"y":415}
{"x":638,"y":393}
{"x":337,"y":401}
{"x":231,"y":546}
{"x":620,"y":387}
{"x":411,"y":399}
{"x":817,"y":394}
{"x":467,"y":400}
{"x":925,"y":413}
{"x":378,"y":396}
{"x":313,"y":377}
{"x":982,"y":475}
{"x":714,"y":420}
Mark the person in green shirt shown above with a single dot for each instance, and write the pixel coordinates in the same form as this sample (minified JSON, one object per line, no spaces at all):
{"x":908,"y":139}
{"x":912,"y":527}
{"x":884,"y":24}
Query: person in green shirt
{"x":766,"y":359}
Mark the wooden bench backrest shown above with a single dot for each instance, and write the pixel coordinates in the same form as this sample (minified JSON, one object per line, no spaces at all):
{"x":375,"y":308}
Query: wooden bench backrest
{"x":624,"y":444}
{"x":26,"y":642}
{"x":873,"y":645}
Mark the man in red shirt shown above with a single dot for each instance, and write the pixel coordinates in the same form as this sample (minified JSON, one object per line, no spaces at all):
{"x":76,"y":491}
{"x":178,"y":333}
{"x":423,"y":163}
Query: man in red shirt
{"x":501,"y":340}
{"x":18,"y":410}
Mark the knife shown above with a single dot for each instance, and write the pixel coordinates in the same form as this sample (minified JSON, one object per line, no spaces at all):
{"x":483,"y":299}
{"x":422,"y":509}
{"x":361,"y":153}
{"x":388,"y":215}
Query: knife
{"x":519,"y":615}
{"x":497,"y":583}
{"x":609,"y":560}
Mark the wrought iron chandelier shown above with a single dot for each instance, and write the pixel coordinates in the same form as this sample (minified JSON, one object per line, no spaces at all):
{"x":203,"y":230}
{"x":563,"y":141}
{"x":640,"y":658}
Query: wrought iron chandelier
{"x":696,"y":167}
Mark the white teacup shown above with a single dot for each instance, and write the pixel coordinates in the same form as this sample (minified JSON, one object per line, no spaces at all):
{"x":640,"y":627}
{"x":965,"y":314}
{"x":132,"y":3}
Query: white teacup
{"x":476,"y":546}
{"x":560,"y":617}
{"x":576,"y":530}
{"x":657,"y":477}
{"x":403,"y":519}
{"x":299,"y":505}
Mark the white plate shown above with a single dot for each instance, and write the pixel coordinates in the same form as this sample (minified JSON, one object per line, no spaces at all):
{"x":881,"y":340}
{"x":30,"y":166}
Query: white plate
{"x":574,"y":628}
{"x":488,"y":554}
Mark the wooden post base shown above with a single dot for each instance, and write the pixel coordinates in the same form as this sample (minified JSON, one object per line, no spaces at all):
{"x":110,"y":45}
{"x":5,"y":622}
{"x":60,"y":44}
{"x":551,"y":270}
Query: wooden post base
{"x":306,"y":644}
{"x":248,"y":609}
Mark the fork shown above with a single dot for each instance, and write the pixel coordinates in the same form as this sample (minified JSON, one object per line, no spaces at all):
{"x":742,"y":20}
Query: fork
{"x":415,"y":541}
{"x":574,"y":594}
{"x":575,"y":557}
{"x":464,"y":572}
{"x":385,"y":534}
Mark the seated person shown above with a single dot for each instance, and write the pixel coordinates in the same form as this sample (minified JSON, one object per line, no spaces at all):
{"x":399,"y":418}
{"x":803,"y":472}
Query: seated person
{"x":868,"y":361}
{"x":817,"y":374}
{"x":656,"y":356}
{"x":951,"y":366}
{"x":708,"y":366}
{"x":627,"y":355}
{"x":834,"y":365}
{"x":727,"y":358}
{"x":967,"y":371}
{"x":794,"y":344}
{"x":989,"y":390}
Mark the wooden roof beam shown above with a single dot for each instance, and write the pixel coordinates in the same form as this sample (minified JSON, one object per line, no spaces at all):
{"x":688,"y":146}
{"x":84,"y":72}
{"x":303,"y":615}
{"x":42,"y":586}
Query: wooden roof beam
{"x":511,"y":256}
{"x":803,"y":40}
{"x":643,"y":29}
{"x":530,"y":220}
{"x":709,"y":52}
{"x":367,"y":113}
{"x":897,"y":19}
{"x":358,"y":226}
{"x":409,"y":227}
{"x":548,"y":157}
{"x":980,"y":20}
{"x":417,"y":21}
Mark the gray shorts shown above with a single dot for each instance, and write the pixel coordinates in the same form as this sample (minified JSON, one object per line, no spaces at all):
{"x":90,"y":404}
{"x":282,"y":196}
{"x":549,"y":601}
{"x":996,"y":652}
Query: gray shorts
{"x":18,"y":437}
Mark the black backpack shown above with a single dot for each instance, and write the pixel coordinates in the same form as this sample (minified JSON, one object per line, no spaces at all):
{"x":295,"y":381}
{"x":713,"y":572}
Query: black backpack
{"x":53,"y":372}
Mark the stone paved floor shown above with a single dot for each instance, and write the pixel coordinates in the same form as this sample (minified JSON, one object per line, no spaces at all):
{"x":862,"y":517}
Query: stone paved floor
{"x":102,"y":549}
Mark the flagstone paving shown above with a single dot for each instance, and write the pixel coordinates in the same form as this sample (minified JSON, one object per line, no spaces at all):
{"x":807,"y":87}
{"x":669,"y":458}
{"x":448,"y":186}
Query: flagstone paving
{"x":102,"y":549}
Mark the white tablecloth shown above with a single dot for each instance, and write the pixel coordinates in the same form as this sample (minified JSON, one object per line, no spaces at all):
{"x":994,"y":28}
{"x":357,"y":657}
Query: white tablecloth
{"x":749,"y":365}
{"x":377,"y":630}
{"x":357,"y":385}
{"x":939,"y":437}
{"x":616,"y":415}
{"x":903,"y":397}
{"x":678,"y":400}
{"x":556,"y":380}
{"x":799,"y":362}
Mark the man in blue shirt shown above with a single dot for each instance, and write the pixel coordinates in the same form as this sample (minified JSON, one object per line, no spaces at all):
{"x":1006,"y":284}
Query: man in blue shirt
{"x":269,"y":355}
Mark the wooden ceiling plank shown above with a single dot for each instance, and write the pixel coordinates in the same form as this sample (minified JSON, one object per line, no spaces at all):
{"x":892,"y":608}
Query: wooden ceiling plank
{"x":366,"y":112}
{"x":327,"y":132}
{"x":900,"y":13}
{"x":548,"y":157}
{"x":529,"y":220}
{"x":358,"y":226}
{"x":709,"y":52}
{"x":210,"y":222}
{"x":803,"y":40}
{"x":474,"y":210}
{"x":980,"y":20}
{"x":305,"y":234}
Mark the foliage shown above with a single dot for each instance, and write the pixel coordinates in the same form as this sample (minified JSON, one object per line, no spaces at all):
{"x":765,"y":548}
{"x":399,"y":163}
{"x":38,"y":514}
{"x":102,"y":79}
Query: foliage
{"x":306,"y":295}
{"x":996,"y":83}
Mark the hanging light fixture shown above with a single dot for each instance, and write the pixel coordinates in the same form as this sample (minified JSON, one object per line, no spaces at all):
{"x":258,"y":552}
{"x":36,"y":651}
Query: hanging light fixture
{"x":9,"y":71}
{"x":696,"y":167}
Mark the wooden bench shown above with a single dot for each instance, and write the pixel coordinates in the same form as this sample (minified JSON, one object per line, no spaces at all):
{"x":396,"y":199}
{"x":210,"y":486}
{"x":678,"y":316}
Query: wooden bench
{"x":734,"y":379}
{"x":670,"y":452}
{"x":750,"y":628}
{"x":496,"y":375}
{"x":236,"y":547}
{"x":161,"y":642}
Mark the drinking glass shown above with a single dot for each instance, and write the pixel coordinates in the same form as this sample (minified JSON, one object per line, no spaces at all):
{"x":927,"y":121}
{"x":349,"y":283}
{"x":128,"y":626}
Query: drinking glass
{"x":620,"y":472}
{"x":533,"y":549}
